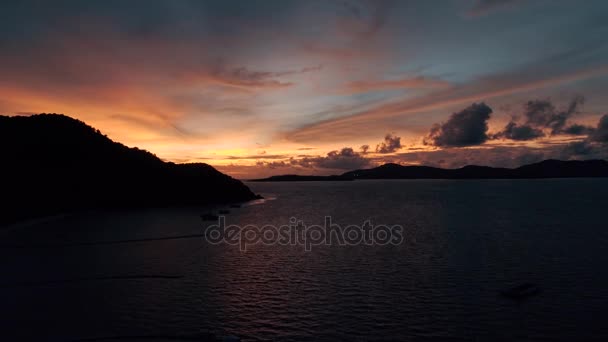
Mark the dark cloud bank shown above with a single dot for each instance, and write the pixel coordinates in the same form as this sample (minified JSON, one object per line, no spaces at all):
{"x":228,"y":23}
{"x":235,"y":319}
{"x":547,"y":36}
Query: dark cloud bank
{"x":469,"y":127}
{"x":540,"y":118}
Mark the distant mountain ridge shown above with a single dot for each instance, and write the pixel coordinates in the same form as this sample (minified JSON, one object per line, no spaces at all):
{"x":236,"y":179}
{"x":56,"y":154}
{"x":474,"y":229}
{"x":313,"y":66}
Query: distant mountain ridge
{"x":52,"y":163}
{"x":545,"y":169}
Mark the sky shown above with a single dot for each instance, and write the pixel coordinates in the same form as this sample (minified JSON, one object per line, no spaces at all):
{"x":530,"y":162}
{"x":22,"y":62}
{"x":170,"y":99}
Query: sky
{"x":260,"y":88}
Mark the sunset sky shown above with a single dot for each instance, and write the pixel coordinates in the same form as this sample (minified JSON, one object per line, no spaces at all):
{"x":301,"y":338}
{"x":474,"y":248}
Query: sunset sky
{"x":258,"y":88}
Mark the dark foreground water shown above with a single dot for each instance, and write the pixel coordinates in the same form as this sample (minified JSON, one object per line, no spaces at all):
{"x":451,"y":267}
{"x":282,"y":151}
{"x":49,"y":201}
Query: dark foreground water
{"x":465,"y":241}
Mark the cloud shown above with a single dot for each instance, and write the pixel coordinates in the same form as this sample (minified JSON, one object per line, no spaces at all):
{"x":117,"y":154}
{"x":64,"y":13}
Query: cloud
{"x":600,"y":134}
{"x":542,"y":74}
{"x":416,"y":82}
{"x":595,"y":146}
{"x":483,"y":7}
{"x":242,"y":77}
{"x":257,"y":156}
{"x":577,"y":148}
{"x":468,"y":127}
{"x":391,"y":144}
{"x":356,"y":32}
{"x":515,"y":131}
{"x":543,"y":114}
{"x":273,"y":164}
{"x":577,"y":129}
{"x":540,"y":116}
{"x":344,"y":159}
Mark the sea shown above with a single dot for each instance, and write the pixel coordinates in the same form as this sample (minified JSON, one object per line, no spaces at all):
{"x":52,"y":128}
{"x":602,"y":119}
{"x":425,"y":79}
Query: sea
{"x":155,"y":274}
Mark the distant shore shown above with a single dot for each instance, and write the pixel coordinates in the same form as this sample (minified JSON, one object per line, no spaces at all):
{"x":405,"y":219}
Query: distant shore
{"x":545,"y":169}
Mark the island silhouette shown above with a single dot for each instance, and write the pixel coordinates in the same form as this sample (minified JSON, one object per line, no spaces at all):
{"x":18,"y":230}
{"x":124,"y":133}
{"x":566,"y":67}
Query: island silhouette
{"x":546,"y":169}
{"x":52,"y":163}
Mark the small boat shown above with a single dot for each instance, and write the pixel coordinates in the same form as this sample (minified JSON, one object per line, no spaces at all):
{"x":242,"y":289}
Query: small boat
{"x":522,"y":291}
{"x":224,"y":211}
{"x":209,"y":217}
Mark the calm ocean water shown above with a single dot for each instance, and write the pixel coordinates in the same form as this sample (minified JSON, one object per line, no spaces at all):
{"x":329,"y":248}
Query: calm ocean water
{"x":465,"y":241}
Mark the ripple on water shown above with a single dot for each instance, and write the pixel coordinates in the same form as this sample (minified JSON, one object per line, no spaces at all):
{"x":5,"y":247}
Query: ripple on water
{"x":462,"y":246}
